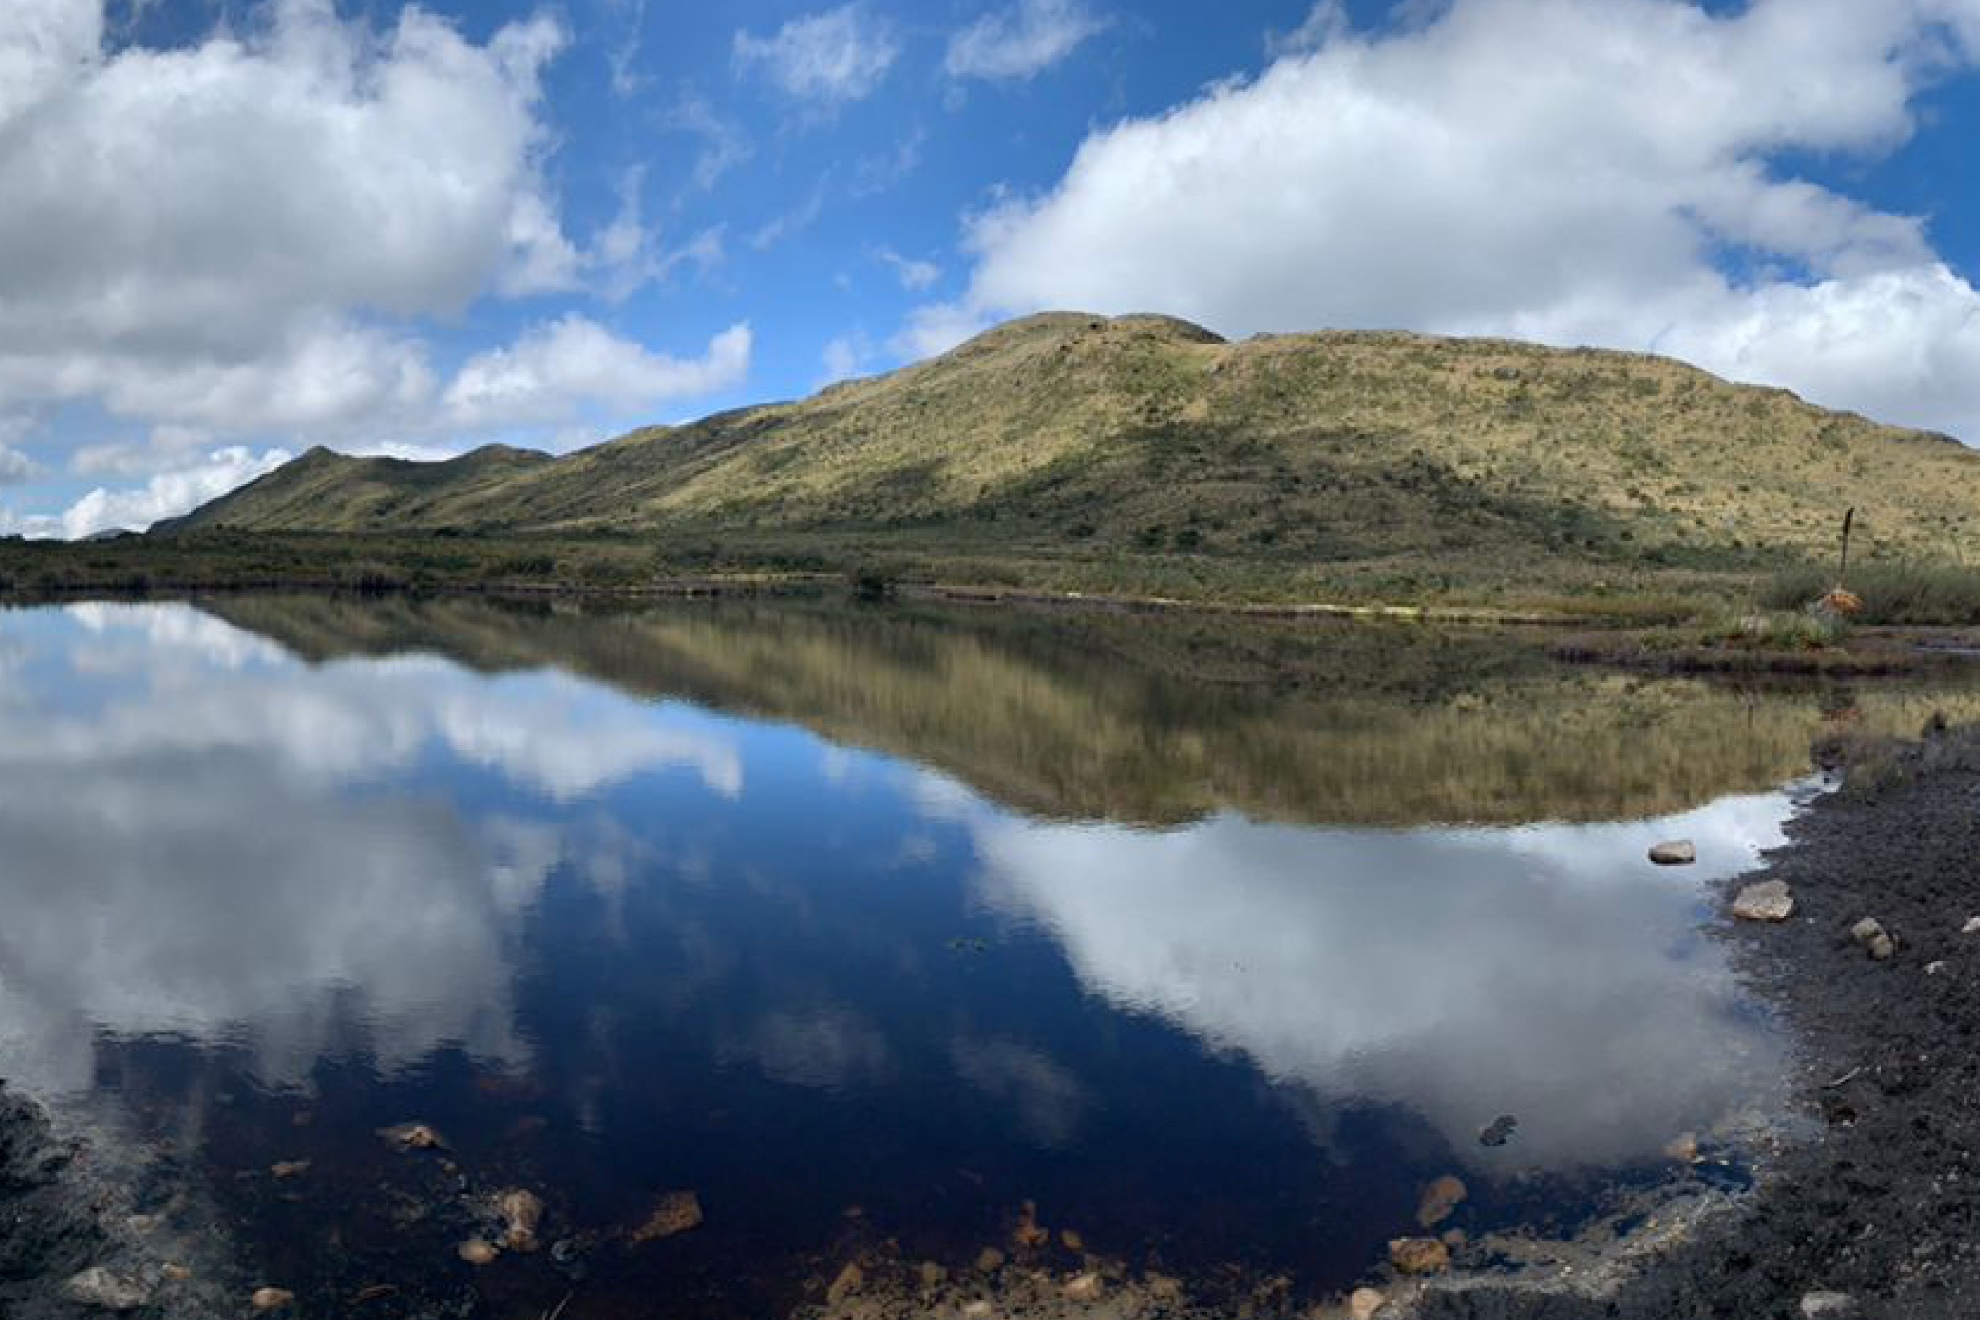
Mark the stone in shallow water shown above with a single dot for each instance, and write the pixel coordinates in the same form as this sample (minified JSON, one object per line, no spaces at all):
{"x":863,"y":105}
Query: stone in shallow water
{"x":1767,"y":901}
{"x":1499,"y":1131}
{"x":1419,"y":1256}
{"x":271,"y":1299}
{"x":1440,"y":1200}
{"x":1365,"y":1303}
{"x":1827,"y":1306}
{"x":1675,"y":852}
{"x":677,"y":1212}
{"x":107,"y":1290}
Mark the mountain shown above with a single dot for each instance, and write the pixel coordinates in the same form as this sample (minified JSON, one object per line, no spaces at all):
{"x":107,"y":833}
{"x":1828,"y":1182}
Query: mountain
{"x":1067,"y":435}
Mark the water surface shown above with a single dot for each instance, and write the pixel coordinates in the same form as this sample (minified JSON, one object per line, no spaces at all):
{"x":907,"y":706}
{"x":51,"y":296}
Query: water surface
{"x":866,"y":925}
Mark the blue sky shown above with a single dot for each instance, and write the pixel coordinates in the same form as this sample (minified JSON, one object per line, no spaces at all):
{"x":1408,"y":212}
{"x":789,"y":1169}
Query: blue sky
{"x":241,"y":227}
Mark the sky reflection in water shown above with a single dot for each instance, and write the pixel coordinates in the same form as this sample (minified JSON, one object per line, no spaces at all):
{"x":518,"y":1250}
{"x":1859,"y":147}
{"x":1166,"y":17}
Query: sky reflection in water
{"x":730,"y":954}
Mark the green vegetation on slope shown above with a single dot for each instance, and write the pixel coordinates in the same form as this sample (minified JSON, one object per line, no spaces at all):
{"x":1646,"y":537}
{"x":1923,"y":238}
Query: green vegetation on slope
{"x":1073,"y":438}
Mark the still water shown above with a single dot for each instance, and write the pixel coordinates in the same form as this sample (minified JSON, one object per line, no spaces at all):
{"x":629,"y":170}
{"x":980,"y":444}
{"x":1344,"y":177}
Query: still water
{"x":866,"y":927}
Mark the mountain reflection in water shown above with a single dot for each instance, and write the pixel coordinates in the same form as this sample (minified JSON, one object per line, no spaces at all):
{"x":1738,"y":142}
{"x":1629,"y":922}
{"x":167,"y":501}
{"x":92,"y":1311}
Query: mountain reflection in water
{"x":451,"y":861}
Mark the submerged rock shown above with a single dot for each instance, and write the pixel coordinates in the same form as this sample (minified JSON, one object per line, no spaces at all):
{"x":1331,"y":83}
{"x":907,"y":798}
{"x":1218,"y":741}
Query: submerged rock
{"x":477,"y":1251}
{"x":1769,"y":900}
{"x":1499,"y":1131}
{"x":413,"y":1136}
{"x":107,"y":1290}
{"x":1676,"y":852}
{"x":1419,"y":1256}
{"x":289,"y":1168}
{"x":1365,"y":1303}
{"x":1440,"y":1200}
{"x":851,"y":1279}
{"x":989,"y":1260}
{"x":1028,"y":1235}
{"x":271,"y":1299}
{"x":1084,"y":1288}
{"x":1683,"y":1148}
{"x":677,"y":1212}
{"x":522,"y":1215}
{"x":1827,"y":1306}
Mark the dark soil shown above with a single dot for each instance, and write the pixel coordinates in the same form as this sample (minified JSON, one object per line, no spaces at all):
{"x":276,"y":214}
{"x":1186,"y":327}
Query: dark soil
{"x":1885,"y":1205}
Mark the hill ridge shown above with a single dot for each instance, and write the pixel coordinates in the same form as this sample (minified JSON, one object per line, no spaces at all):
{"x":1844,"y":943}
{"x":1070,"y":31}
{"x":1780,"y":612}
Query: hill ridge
{"x":1070,"y":434}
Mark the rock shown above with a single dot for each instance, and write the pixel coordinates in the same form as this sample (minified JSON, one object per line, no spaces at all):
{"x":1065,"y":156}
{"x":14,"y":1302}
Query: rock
{"x":1455,"y":1238}
{"x":1028,"y":1234}
{"x":1877,"y":941}
{"x":989,"y":1260}
{"x":1499,"y":1131}
{"x":932,"y":1275}
{"x":1419,"y":1256}
{"x":271,"y":1299}
{"x":289,"y":1168}
{"x":1768,"y":900}
{"x":1165,"y":1288}
{"x":677,"y":1212}
{"x":1365,"y":1303}
{"x":1683,"y":1148}
{"x":1440,"y":1200}
{"x":1817,"y":1305}
{"x":1084,"y":1288}
{"x":979,"y":1307}
{"x":1934,"y":968}
{"x":413,"y":1136}
{"x":1073,"y":1241}
{"x":107,"y":1290}
{"x":851,"y":1279}
{"x":176,"y":1272}
{"x":1676,"y":852}
{"x":1972,"y":926}
{"x":476,"y":1251}
{"x":522,"y":1214}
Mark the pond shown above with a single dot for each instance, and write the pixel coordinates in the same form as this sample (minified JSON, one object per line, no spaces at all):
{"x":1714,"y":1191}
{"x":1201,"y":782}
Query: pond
{"x":758,"y":939}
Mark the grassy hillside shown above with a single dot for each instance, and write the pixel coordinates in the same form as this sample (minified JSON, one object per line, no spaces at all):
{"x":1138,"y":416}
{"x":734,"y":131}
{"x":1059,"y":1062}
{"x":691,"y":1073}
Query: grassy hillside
{"x":1074,"y":440}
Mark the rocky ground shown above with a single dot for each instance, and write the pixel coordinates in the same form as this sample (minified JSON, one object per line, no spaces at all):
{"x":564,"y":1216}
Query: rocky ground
{"x":89,"y":1230}
{"x":1880,"y":1215}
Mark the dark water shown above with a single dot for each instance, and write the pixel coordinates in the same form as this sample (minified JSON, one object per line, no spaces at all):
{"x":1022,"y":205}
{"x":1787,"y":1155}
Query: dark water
{"x":1144,"y":923}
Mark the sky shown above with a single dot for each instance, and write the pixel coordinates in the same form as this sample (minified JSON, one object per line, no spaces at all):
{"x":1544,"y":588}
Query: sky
{"x":234,"y":229}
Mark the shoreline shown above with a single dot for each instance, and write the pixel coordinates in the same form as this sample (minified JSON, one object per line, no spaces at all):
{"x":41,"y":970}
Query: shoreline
{"x":1873,"y":1215}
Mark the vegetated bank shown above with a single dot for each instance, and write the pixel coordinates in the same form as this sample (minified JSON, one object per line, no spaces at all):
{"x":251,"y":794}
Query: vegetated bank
{"x":1133,"y":457}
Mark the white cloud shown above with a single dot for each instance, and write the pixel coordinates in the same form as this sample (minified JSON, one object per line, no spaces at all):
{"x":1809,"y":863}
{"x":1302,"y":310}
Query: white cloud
{"x":844,"y":357}
{"x":1021,"y":41}
{"x":829,"y":58}
{"x":223,"y":210}
{"x":1432,"y":178}
{"x":544,"y":374}
{"x":166,"y":493}
{"x":915,"y":275}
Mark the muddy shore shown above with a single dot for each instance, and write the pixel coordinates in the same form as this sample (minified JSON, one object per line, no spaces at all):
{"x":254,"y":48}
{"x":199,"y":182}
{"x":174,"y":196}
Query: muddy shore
{"x":1883,"y":1206}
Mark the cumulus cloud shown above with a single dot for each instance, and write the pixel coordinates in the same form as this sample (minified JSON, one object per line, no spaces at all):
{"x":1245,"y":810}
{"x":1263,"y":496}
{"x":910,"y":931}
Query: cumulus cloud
{"x":1021,"y":41}
{"x":1599,"y":171}
{"x":227,"y":247}
{"x":537,"y":378}
{"x":830,"y":58}
{"x":165,"y":494}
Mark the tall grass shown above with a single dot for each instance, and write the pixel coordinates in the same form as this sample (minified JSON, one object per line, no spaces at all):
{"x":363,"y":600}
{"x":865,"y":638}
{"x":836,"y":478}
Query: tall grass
{"x":1892,"y":593}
